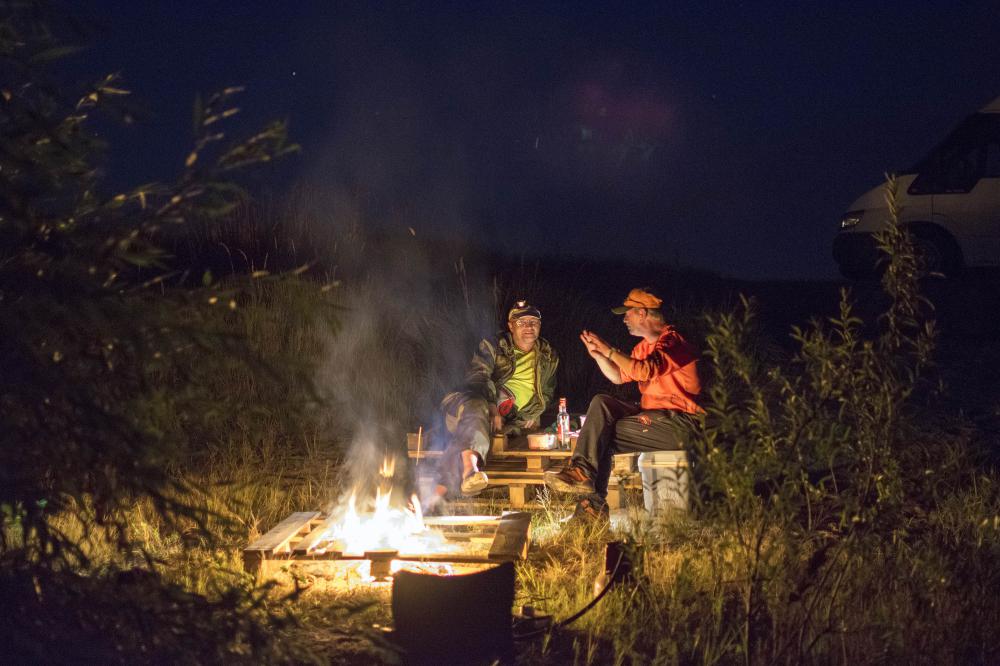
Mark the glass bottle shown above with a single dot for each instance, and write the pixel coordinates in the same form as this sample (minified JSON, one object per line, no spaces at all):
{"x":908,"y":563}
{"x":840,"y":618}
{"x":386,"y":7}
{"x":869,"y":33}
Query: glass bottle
{"x":562,"y":425}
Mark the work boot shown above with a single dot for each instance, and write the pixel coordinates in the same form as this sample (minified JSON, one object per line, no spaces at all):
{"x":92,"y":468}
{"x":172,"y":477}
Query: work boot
{"x":591,"y":511}
{"x":571,"y":478}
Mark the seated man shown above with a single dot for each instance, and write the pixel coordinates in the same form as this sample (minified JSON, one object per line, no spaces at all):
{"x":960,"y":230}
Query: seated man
{"x":510,"y":382}
{"x":664,"y":366}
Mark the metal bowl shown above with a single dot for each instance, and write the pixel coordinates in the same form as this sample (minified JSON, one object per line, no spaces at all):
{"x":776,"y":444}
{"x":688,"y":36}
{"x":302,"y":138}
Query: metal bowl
{"x":541,"y":441}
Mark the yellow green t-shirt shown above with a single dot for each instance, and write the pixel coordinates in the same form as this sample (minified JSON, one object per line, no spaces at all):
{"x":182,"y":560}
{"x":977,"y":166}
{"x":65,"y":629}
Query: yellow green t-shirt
{"x":522,"y":383}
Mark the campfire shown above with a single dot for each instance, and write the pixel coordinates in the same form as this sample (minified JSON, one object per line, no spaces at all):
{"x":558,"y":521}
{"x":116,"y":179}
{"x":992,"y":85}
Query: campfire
{"x":375,"y":538}
{"x":401,"y":529}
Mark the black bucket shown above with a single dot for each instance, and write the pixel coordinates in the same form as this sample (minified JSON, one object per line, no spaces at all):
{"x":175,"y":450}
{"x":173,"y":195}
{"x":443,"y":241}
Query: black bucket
{"x":457,"y":619}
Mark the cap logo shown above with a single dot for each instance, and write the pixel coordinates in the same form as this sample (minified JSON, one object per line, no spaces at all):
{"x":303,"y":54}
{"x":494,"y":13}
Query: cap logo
{"x":523,"y":309}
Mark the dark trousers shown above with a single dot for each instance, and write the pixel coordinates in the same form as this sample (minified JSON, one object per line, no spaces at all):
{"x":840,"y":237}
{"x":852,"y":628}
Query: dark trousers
{"x":614,"y":426}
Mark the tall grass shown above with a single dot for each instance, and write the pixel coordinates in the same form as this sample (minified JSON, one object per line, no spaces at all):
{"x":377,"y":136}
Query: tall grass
{"x":836,"y":521}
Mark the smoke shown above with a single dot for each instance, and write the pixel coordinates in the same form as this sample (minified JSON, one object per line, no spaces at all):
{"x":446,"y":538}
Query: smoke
{"x":411,"y":315}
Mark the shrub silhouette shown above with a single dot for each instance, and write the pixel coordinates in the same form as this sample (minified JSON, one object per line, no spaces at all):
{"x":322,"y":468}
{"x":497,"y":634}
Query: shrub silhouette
{"x":92,"y":320}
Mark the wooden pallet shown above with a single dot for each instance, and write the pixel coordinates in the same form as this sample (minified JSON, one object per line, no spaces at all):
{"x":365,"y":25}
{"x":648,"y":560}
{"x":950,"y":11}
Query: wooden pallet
{"x":300,"y":537}
{"x":512,"y":465}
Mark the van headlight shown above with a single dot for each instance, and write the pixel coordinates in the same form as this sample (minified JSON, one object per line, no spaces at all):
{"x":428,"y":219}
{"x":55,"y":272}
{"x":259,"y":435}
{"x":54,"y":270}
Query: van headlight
{"x":851,"y":219}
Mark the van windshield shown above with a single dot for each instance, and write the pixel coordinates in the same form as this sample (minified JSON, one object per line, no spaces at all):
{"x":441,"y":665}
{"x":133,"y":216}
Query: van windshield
{"x":958,"y":162}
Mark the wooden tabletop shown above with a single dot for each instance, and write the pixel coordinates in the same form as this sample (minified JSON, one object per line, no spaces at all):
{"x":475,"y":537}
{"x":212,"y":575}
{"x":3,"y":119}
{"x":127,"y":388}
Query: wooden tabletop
{"x":534,"y":453}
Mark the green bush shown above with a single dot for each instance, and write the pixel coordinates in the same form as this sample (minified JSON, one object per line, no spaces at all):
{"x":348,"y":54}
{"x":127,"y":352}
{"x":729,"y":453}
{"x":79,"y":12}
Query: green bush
{"x":821,"y":489}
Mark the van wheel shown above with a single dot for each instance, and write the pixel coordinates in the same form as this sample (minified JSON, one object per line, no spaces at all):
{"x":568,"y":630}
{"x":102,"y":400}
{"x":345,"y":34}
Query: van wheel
{"x":936,"y":251}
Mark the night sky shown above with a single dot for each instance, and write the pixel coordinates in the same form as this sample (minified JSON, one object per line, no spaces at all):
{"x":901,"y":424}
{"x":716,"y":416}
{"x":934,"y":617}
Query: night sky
{"x":724,"y":136}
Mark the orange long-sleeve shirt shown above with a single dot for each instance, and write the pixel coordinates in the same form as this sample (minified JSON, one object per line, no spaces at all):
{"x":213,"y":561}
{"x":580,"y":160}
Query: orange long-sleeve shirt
{"x":666,"y":372}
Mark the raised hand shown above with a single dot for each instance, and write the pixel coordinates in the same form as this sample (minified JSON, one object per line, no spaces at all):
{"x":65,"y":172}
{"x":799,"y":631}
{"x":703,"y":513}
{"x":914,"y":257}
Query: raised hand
{"x":596,"y":347}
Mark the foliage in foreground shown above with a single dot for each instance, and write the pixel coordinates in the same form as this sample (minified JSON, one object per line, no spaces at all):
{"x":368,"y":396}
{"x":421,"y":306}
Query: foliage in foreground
{"x":103,"y":345}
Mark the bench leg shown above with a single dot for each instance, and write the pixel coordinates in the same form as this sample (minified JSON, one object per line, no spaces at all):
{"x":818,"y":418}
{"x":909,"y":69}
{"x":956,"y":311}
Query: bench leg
{"x":614,"y":498}
{"x":517,"y":496}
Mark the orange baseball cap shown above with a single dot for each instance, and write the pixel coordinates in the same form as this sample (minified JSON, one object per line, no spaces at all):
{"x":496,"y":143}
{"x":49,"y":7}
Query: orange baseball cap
{"x":642,"y":297}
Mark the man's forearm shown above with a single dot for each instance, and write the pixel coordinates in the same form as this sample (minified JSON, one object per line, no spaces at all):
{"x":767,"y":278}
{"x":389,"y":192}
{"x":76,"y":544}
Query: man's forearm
{"x":610,"y":369}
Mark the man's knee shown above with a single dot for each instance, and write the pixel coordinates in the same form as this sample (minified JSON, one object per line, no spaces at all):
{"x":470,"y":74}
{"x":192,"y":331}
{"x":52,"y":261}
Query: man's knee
{"x":642,"y":434}
{"x":476,"y":405}
{"x":600,"y":402}
{"x":461,"y":409}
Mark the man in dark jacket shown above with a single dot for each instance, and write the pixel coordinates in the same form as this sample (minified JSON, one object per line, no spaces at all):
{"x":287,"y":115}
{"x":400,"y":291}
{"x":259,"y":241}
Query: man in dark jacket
{"x":510,"y":382}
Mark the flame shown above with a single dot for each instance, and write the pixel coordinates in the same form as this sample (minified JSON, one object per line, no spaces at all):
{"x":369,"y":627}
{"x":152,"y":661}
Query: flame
{"x":385,"y":527}
{"x":388,"y":468}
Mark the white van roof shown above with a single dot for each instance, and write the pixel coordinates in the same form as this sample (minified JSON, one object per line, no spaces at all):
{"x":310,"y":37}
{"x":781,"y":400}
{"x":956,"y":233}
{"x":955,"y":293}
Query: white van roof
{"x":992,"y":107}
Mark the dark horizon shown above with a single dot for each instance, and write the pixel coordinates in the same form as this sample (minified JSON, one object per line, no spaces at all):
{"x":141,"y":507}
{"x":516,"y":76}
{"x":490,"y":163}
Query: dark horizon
{"x":723,"y":138}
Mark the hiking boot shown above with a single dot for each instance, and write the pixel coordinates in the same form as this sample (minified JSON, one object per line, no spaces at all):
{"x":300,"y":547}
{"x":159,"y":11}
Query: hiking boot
{"x":591,"y":511}
{"x":474,"y":484}
{"x":571,"y":478}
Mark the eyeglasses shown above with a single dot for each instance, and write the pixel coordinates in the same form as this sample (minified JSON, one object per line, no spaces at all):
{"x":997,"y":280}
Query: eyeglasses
{"x":526,"y":322}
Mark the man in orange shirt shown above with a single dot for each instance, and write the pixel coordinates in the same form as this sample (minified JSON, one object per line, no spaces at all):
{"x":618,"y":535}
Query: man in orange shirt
{"x":665,"y":367}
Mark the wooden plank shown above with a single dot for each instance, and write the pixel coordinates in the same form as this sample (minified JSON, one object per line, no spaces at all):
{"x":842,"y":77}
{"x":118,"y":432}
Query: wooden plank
{"x":423,"y":454}
{"x":508,"y":540}
{"x":673,"y":464}
{"x":513,"y":474}
{"x":623,"y":463}
{"x":253,"y":564}
{"x":413,"y":439}
{"x":614,"y":498}
{"x":454,"y":558}
{"x":517,"y":496}
{"x":479,"y":535}
{"x":314,"y":538}
{"x":497,"y":444}
{"x":504,"y":464}
{"x":532,"y":453}
{"x":513,"y":537}
{"x":278,"y":538}
{"x":441,"y":521}
{"x":510,"y":480}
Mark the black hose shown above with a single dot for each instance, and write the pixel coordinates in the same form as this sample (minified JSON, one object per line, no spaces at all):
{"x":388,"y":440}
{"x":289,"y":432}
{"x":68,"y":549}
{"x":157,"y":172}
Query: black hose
{"x":580,"y":613}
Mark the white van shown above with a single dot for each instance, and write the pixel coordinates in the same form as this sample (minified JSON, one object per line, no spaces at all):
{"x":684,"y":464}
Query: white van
{"x":950,"y":204}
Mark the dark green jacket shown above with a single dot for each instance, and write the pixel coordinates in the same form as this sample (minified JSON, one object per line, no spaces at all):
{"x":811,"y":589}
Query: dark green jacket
{"x":493,"y":364}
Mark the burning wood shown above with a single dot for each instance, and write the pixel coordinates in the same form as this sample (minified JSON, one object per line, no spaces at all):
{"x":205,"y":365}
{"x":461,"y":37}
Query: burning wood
{"x":399,"y":529}
{"x":389,"y":538}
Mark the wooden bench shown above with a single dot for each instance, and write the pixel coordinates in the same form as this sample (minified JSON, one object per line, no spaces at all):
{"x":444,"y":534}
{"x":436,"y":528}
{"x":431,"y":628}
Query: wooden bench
{"x":513,"y":465}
